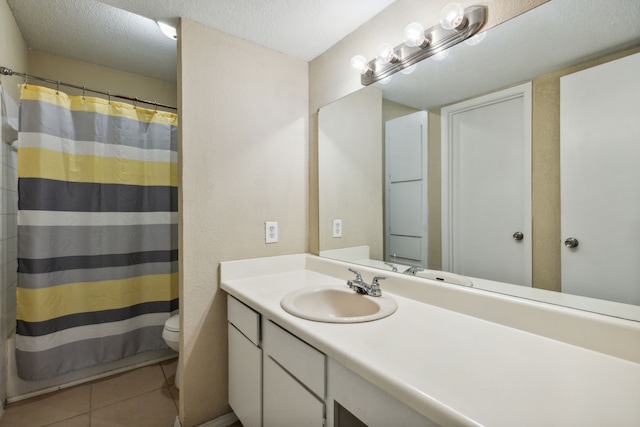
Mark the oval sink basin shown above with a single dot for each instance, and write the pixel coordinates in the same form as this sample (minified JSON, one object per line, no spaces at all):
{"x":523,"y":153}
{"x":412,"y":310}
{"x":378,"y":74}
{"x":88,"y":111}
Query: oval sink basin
{"x":337,"y":305}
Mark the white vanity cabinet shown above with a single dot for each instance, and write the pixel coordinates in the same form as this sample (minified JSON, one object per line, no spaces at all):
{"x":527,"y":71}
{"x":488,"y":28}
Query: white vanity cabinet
{"x":358,"y":403}
{"x":293,"y":380}
{"x":245,"y":363}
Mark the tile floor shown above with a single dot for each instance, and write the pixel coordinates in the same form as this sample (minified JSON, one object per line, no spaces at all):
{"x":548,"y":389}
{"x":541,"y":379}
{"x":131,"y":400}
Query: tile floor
{"x":143,"y":397}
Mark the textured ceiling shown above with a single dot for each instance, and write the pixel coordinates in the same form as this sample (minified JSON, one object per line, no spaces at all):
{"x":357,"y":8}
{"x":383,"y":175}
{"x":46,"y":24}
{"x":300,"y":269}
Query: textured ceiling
{"x":122,"y":34}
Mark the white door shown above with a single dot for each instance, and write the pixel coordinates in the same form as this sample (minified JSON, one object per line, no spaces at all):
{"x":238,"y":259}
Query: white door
{"x":600,"y":180}
{"x":406,"y":204}
{"x":486,"y":186}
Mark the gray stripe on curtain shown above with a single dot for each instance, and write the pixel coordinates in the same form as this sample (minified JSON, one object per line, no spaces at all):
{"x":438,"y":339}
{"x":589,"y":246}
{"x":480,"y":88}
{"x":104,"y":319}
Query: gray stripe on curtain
{"x":89,"y":126}
{"x":44,"y":280}
{"x":86,"y":353}
{"x":95,"y":240}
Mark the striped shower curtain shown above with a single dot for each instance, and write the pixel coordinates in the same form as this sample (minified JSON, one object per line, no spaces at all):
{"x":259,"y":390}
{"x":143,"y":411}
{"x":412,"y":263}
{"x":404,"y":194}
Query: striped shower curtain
{"x":97,"y":231}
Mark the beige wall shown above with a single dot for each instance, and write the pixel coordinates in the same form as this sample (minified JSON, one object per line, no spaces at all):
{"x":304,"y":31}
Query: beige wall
{"x":243,"y":158}
{"x":331,"y":77}
{"x":13,"y":50}
{"x":93,"y":76}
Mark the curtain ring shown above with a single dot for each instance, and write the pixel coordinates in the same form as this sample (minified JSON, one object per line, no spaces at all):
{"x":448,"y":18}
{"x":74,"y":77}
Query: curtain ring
{"x":109,"y":97}
{"x":135,"y":103}
{"x":83,"y":90}
{"x":58,"y":87}
{"x":156,"y":104}
{"x":26,"y":80}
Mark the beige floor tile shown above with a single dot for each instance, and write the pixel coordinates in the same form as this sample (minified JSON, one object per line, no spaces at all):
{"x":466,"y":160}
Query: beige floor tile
{"x":124,"y":386}
{"x":153,"y":409}
{"x":79,"y":421}
{"x":169,"y":368}
{"x":50,"y":408}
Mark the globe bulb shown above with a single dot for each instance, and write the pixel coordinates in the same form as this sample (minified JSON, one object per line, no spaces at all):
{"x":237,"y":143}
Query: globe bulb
{"x":359,"y":62}
{"x":452,"y":16}
{"x":386,"y":54}
{"x":414,"y":35}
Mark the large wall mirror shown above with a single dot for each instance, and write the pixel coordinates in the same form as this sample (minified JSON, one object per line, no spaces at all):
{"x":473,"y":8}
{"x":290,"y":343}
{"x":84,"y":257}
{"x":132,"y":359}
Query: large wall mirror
{"x":524,"y":62}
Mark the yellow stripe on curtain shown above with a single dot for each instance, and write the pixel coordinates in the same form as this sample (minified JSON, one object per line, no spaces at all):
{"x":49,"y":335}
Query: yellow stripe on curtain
{"x":49,"y":164}
{"x":97,"y":105}
{"x":37,"y":305}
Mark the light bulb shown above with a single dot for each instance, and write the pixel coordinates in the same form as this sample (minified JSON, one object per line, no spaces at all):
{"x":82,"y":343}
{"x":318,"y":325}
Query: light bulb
{"x":452,"y":16}
{"x":414,"y":35}
{"x":472,"y":41}
{"x":168,"y":30}
{"x":359,"y":62}
{"x":409,"y":69}
{"x":386,"y":54}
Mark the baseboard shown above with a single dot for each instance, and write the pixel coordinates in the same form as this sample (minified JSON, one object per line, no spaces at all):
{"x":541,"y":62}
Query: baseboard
{"x":222,"y":421}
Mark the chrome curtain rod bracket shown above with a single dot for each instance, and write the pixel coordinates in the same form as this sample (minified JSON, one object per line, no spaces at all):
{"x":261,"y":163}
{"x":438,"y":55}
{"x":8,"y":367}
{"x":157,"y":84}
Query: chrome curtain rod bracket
{"x":9,"y":72}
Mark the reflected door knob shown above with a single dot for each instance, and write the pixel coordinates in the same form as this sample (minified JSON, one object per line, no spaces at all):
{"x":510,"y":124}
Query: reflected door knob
{"x":518,"y":235}
{"x":571,"y":242}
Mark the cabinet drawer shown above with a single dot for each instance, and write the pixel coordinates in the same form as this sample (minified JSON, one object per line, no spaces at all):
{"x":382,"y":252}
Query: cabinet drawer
{"x":244,"y":318}
{"x":296,"y":356}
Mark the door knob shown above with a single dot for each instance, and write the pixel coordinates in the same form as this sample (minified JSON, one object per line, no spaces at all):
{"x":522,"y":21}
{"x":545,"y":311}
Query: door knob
{"x":518,"y":235}
{"x":571,"y":242}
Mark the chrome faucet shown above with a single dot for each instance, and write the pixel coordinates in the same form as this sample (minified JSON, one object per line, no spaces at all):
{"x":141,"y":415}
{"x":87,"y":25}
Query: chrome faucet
{"x":413,"y":270}
{"x":393,"y":267}
{"x":361,"y":287}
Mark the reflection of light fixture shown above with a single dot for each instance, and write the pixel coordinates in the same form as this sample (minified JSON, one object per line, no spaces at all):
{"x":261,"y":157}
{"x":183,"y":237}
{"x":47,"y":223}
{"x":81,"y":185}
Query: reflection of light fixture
{"x":441,"y":55}
{"x":457,"y":24}
{"x":168,"y":30}
{"x":414,"y":36}
{"x":410,"y":69}
{"x":452,"y":17}
{"x":472,"y":41}
{"x":386,"y":80}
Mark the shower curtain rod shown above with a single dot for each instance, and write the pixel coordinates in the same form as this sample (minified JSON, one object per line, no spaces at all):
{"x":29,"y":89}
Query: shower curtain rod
{"x":9,"y":72}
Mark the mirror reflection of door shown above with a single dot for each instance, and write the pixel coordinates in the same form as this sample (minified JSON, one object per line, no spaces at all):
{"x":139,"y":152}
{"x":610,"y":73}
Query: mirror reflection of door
{"x":600,"y":181}
{"x":406,"y":202}
{"x":486,"y":186}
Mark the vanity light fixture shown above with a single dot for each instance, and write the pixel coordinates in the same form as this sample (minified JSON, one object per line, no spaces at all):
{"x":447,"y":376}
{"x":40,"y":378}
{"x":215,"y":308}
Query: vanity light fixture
{"x":456,"y":24}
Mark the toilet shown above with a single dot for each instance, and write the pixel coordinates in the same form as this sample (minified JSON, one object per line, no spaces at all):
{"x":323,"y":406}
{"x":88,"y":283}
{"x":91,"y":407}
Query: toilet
{"x":171,"y":335}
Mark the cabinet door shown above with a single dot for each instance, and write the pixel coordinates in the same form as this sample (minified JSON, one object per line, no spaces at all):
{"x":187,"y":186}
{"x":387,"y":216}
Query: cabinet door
{"x":286,"y":401}
{"x":245,"y":373}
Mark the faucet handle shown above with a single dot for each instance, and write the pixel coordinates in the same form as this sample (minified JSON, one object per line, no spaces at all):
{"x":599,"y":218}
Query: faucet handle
{"x":375,"y":280}
{"x":357,"y":273}
{"x":374,"y":289}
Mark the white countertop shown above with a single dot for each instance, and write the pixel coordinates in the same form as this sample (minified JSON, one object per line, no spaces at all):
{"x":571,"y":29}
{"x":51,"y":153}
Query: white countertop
{"x":453,"y":368}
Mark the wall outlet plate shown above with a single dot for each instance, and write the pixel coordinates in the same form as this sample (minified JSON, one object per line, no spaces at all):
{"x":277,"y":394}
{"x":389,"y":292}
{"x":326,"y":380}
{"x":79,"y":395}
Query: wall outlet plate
{"x":337,"y":227}
{"x":271,"y":232}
